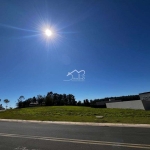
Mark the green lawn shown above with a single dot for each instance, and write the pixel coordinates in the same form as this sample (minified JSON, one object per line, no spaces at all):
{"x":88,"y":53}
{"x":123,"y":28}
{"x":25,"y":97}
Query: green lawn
{"x":78,"y":114}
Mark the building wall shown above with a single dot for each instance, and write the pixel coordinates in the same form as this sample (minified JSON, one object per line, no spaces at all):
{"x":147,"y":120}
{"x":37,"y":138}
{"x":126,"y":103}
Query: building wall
{"x":136,"y":104}
{"x":146,"y":104}
{"x":144,"y":96}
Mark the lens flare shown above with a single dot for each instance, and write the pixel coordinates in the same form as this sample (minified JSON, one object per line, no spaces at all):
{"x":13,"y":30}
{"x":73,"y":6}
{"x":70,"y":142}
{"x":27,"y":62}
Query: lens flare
{"x":48,"y":32}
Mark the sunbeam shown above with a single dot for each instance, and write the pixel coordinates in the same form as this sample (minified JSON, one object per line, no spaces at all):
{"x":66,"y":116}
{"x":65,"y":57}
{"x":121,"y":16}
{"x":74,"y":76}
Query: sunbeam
{"x":16,"y":28}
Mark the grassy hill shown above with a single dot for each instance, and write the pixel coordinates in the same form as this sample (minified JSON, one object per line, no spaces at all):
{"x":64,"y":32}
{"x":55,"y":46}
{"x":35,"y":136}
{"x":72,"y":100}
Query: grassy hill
{"x":78,"y":114}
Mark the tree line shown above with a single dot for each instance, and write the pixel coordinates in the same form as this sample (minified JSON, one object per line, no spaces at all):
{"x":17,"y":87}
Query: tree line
{"x":51,"y":99}
{"x":55,"y":99}
{"x":121,"y":98}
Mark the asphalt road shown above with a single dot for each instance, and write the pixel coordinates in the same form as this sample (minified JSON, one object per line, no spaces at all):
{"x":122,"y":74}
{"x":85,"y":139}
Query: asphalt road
{"x":40,"y":136}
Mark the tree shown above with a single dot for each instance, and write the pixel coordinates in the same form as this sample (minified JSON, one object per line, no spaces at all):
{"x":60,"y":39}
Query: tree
{"x":40,"y":99}
{"x":48,"y":101}
{"x":60,"y":100}
{"x":91,"y":103}
{"x":20,"y":101}
{"x":21,"y":98}
{"x":79,"y":103}
{"x":6,"y":101}
{"x":65,"y":99}
{"x":34,"y":100}
{"x":71,"y":99}
{"x":50,"y":94}
{"x":55,"y":99}
{"x":86,"y":102}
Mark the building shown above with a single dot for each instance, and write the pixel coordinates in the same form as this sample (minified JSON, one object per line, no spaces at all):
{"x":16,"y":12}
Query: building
{"x":145,"y":96}
{"x":34,"y":103}
{"x":133,"y":104}
{"x":143,"y":103}
{"x":102,"y":104}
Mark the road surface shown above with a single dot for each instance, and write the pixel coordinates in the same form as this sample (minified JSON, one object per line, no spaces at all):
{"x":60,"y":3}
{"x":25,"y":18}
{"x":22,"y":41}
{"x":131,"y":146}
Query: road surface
{"x":42,"y":136}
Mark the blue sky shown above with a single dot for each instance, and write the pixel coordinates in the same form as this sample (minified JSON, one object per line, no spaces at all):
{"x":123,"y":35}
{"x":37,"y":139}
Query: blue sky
{"x":109,"y":39}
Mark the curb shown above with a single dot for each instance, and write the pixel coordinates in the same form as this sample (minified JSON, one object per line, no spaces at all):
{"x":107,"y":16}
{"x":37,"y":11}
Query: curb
{"x":80,"y":123}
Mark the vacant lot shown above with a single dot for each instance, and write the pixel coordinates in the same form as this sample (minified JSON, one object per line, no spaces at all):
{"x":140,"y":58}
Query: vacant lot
{"x":78,"y":114}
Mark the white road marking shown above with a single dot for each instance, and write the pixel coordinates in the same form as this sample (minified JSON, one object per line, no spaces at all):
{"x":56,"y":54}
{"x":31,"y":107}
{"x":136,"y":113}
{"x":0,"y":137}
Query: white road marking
{"x":117,"y":144}
{"x":23,"y":148}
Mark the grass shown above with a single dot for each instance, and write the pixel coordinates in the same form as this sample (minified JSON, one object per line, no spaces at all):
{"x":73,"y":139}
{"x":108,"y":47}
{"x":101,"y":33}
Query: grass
{"x":78,"y":114}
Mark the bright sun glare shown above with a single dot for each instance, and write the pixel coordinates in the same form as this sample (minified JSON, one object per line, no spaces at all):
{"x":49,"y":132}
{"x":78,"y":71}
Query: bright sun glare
{"x":48,"y":32}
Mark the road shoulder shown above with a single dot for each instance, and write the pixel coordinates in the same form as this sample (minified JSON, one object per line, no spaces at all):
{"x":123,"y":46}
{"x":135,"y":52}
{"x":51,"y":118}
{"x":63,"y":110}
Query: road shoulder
{"x":80,"y":123}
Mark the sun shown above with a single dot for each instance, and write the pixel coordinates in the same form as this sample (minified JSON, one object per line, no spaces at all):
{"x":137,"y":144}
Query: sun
{"x":48,"y":32}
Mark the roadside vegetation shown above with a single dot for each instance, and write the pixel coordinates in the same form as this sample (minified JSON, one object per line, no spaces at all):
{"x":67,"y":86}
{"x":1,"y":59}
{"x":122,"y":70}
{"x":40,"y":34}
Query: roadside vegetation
{"x":78,"y":114}
{"x":55,"y":99}
{"x":64,"y":107}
